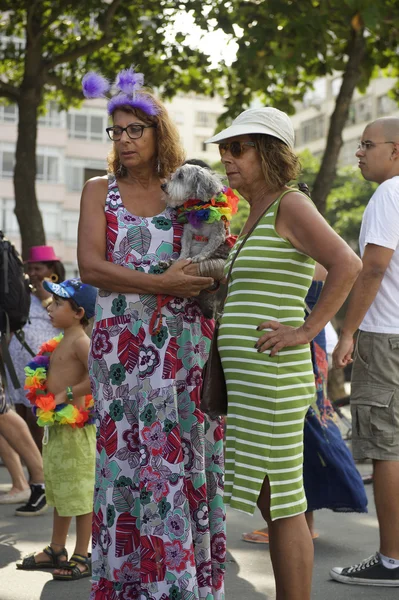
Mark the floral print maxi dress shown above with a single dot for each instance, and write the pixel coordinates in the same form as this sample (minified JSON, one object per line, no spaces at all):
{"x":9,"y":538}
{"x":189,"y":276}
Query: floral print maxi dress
{"x":159,"y":520}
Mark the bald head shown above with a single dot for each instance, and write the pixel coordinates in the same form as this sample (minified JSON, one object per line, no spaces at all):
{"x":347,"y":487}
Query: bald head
{"x":387,"y":127}
{"x":378,"y":151}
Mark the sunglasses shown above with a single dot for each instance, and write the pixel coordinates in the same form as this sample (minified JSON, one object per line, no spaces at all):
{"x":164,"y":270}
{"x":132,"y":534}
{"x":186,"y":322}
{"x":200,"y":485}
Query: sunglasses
{"x":235,"y":148}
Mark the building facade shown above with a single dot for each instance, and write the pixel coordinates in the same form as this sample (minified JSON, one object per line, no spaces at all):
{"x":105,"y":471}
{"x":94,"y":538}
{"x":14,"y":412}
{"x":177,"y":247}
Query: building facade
{"x":311,"y":120}
{"x":72,"y":147}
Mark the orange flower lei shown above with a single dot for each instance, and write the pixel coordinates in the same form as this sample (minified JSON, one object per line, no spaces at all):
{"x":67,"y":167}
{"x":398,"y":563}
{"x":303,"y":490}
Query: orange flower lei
{"x":44,"y":406}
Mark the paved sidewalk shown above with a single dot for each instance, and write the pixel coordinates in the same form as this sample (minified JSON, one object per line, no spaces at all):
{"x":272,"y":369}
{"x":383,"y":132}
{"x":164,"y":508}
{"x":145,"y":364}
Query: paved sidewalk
{"x":344,"y":539}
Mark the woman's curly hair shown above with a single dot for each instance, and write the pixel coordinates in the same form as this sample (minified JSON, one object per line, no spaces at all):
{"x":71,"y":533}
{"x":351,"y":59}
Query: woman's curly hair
{"x":170,"y":152}
{"x":280,"y":164}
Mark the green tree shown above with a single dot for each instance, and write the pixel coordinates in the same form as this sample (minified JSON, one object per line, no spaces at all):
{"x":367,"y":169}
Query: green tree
{"x":48,"y":45}
{"x":285,"y":45}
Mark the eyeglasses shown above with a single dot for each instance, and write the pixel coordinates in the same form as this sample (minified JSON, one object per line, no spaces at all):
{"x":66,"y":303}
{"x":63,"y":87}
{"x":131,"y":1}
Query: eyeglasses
{"x":235,"y":148}
{"x":369,"y":145}
{"x":133,"y":130}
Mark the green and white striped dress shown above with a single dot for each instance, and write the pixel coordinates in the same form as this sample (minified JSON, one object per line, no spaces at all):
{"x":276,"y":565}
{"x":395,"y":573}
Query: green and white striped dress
{"x":268,"y":397}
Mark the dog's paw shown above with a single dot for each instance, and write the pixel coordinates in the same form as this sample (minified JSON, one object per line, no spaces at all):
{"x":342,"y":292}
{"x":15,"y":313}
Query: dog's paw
{"x":165,"y":264}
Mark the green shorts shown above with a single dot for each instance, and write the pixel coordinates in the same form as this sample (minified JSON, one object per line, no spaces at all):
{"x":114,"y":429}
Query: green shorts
{"x":69,"y":469}
{"x":375,"y":397}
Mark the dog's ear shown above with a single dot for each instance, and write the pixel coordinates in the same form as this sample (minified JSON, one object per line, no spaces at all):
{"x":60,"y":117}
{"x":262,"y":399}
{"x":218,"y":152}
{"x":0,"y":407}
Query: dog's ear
{"x":207,"y":184}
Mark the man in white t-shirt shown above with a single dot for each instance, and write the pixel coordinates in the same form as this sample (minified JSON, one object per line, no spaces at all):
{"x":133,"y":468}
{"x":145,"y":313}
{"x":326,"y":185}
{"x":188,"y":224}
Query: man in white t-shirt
{"x":374,"y":310}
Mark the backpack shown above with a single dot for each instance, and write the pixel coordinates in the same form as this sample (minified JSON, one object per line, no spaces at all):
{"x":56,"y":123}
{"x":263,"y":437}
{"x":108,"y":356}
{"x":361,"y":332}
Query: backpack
{"x":14,"y":301}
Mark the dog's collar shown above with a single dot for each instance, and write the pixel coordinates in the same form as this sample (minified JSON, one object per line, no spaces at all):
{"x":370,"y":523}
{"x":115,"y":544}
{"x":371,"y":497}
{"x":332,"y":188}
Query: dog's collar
{"x":196,"y":212}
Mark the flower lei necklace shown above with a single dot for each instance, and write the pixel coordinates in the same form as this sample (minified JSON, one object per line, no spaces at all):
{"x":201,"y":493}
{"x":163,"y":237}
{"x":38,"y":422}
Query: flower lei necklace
{"x":44,"y":406}
{"x":222,"y":206}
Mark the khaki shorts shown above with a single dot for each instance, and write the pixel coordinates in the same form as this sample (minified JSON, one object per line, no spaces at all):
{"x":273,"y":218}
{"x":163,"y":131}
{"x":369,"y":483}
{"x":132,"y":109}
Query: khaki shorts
{"x":375,"y":397}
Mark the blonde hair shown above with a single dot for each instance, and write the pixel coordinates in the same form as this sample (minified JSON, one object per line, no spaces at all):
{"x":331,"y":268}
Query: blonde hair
{"x":170,"y":153}
{"x":280,"y":164}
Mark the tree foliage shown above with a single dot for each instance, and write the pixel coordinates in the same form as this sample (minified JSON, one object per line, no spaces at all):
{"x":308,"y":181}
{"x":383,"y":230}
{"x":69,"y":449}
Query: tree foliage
{"x":285,"y":45}
{"x":48,"y":45}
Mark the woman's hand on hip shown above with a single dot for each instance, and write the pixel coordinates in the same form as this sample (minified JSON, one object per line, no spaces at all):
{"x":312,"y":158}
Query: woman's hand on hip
{"x":280,"y":336}
{"x":175,"y":282}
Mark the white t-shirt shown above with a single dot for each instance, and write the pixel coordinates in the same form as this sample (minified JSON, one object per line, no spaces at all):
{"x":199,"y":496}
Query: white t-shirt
{"x":331,"y":337}
{"x":380,"y":226}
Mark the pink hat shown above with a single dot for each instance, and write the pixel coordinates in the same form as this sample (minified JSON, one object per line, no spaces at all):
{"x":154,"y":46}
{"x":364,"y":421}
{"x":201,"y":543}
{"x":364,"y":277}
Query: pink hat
{"x":41,"y":254}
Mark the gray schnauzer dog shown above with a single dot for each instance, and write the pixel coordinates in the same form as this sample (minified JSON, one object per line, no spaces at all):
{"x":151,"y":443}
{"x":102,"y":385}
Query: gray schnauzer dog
{"x":200,"y":240}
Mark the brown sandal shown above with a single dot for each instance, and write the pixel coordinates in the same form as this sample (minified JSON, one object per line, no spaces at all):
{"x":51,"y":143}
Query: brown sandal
{"x":72,"y":566}
{"x":29,"y":564}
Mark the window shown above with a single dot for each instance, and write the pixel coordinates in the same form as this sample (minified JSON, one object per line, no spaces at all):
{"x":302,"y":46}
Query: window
{"x":51,"y":219}
{"x":48,"y":162}
{"x":200,"y":145}
{"x":86,"y":126}
{"x":7,"y":160}
{"x":79,"y":170}
{"x":8,"y":113}
{"x":312,"y":129}
{"x":360,"y":111}
{"x":364,"y":110}
{"x":386,"y":106}
{"x":47,"y":167}
{"x":70,"y":226}
{"x":347,"y":154}
{"x":8,"y":220}
{"x":205,"y":119}
{"x":52,"y":117}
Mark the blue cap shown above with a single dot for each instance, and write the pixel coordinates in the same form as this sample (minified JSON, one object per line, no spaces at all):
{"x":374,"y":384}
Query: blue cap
{"x":82,"y":293}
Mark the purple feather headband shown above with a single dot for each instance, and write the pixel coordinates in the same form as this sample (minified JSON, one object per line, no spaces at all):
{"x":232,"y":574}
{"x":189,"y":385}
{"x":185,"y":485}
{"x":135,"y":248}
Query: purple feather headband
{"x":129,"y":84}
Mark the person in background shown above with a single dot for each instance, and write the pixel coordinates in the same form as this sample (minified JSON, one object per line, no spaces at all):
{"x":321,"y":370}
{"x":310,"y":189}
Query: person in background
{"x":373,"y":308}
{"x":42,"y":264}
{"x":15,"y":432}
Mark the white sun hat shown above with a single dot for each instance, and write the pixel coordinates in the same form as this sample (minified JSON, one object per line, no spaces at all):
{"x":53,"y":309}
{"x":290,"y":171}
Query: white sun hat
{"x":267,"y":120}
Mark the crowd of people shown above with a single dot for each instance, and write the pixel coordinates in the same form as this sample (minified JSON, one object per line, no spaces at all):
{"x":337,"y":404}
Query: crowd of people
{"x":116,"y":418}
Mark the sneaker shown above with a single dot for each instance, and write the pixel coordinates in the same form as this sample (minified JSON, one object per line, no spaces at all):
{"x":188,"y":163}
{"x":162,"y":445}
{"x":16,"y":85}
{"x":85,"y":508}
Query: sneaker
{"x":369,"y":572}
{"x":36,"y":504}
{"x":16,"y":497}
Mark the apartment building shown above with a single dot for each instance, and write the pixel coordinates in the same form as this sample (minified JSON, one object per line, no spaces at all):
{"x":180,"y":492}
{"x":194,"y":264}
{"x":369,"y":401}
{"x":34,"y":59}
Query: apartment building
{"x":311,"y":120}
{"x":72,"y":147}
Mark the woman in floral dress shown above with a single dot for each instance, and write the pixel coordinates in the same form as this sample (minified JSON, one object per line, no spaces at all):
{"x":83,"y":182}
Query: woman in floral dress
{"x":159,"y":521}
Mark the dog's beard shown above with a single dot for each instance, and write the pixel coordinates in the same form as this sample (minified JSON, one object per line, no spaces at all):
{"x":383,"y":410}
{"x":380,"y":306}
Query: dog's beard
{"x":177,"y":192}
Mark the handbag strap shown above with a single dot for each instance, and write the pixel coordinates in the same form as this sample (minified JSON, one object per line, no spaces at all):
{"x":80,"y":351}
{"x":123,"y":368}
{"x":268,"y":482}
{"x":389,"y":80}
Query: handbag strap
{"x":249,"y":233}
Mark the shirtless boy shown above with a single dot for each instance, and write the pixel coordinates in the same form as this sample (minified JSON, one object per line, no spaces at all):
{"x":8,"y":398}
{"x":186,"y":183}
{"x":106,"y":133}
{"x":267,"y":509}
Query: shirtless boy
{"x":69,"y":451}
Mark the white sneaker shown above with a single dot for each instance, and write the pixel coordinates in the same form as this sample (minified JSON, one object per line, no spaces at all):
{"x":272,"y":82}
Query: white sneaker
{"x":15,"y":498}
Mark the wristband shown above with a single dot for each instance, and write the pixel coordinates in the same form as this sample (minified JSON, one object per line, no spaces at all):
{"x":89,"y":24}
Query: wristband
{"x":69,"y":393}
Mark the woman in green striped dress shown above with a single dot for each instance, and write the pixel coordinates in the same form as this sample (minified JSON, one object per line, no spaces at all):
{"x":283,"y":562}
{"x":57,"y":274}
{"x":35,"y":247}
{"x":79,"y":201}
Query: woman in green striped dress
{"x":263,"y":340}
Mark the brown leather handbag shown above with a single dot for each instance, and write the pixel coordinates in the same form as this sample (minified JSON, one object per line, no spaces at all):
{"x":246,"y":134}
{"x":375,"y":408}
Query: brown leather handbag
{"x":214,"y":388}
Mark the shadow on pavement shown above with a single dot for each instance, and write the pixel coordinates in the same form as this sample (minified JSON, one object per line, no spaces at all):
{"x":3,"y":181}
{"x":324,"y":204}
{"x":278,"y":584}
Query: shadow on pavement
{"x":8,"y":554}
{"x":61,"y":590}
{"x":236,"y":587}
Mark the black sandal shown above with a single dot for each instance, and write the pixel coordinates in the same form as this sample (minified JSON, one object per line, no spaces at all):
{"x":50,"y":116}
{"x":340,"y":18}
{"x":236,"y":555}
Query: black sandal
{"x":72,"y":566}
{"x":29,"y":564}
